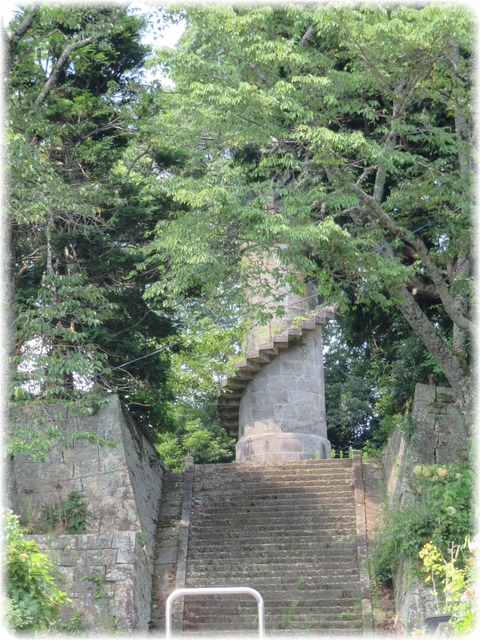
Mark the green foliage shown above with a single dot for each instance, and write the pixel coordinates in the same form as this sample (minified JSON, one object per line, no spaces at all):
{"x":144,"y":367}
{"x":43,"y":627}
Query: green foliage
{"x":292,"y":140}
{"x":79,"y":222}
{"x":74,"y":625}
{"x":68,"y":516}
{"x":452,"y":581}
{"x":350,"y":389}
{"x":33,"y":596}
{"x":206,"y":444}
{"x":440,"y":512}
{"x":445,"y":576}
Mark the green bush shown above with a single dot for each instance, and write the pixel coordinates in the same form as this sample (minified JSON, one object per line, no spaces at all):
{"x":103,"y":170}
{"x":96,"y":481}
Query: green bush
{"x":206,"y":445}
{"x":32,"y":595}
{"x":441,"y":511}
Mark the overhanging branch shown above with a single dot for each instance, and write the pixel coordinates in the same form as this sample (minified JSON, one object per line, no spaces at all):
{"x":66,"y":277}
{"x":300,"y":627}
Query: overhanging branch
{"x":376,"y":211}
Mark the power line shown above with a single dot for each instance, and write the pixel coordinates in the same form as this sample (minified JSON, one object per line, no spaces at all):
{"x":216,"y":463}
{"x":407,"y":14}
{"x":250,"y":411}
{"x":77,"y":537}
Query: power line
{"x":153,"y":353}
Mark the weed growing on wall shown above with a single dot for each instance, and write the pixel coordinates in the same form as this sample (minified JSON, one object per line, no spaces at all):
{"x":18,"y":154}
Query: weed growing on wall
{"x":440,"y":512}
{"x":66,"y":516}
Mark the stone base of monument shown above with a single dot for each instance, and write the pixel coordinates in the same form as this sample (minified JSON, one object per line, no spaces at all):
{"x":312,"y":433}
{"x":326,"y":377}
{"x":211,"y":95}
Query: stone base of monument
{"x":273,"y":447}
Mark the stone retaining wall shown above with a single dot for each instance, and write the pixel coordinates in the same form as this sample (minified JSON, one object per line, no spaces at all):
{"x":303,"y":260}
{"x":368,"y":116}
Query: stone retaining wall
{"x":439,"y":437}
{"x":106,"y":576}
{"x":108,"y":571}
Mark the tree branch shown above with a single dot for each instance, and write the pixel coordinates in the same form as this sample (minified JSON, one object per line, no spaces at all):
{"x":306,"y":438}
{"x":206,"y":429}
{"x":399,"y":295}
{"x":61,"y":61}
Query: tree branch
{"x":308,"y":36}
{"x":416,"y":242}
{"x":430,"y":336}
{"x":20,"y":31}
{"x":63,"y":59}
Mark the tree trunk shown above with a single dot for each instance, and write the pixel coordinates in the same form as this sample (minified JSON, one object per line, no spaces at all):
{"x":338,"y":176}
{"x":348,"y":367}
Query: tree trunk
{"x":452,"y":368}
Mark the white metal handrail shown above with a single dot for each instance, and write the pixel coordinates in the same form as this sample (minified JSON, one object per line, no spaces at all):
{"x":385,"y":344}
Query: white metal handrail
{"x":215,"y":591}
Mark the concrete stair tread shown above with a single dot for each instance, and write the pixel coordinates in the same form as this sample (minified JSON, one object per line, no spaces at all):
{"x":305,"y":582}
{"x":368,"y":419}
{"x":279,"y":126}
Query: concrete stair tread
{"x":269,"y":470}
{"x":267,"y":534}
{"x":258,"y":568}
{"x":275,"y":621}
{"x":286,"y":529}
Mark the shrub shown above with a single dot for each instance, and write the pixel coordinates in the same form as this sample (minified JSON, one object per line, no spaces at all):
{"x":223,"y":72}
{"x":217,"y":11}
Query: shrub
{"x":441,"y":513}
{"x":31,"y":591}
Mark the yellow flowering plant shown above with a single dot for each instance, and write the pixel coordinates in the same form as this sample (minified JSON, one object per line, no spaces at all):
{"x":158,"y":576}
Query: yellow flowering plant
{"x":447,"y":578}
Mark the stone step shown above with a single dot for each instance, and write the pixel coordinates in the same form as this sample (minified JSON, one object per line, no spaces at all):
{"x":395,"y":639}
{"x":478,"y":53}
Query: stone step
{"x":281,"y":596}
{"x":311,"y":500}
{"x":304,"y":510}
{"x":252,"y":470}
{"x":247,"y":487}
{"x":252,"y":633}
{"x":299,"y":537}
{"x":339,"y":570}
{"x":307,"y":325}
{"x":231,"y":535}
{"x":280,"y":341}
{"x":267,"y":483}
{"x":333,"y":611}
{"x":244,"y":373}
{"x":234,"y":383}
{"x":337,"y":592}
{"x":283,"y":615}
{"x":254,"y":555}
{"x":248,"y":365}
{"x":316,"y":522}
{"x":223,"y":394}
{"x":293,"y":513}
{"x":294,"y":332}
{"x":343,"y":562}
{"x":275,"y":486}
{"x":263,"y":583}
{"x":268,"y":349}
{"x":228,"y":409}
{"x":277,"y":633}
{"x":258,"y":358}
{"x":271,"y":497}
{"x":245,"y":566}
{"x":247,"y":466}
{"x":313,"y":476}
{"x":278,"y":621}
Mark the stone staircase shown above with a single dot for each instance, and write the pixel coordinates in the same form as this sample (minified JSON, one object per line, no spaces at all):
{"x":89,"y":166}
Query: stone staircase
{"x":231,"y":389}
{"x":291,"y":530}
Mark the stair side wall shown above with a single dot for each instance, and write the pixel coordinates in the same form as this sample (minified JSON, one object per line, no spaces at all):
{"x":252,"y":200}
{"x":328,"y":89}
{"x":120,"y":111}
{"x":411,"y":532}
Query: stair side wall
{"x":440,"y":437}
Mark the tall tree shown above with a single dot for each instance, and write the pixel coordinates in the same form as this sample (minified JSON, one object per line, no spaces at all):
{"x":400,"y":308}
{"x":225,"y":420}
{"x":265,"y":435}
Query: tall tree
{"x":345,"y":135}
{"x":77,"y":223}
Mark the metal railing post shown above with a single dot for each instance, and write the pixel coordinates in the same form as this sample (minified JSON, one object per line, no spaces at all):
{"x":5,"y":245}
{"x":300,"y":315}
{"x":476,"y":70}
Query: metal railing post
{"x":214,"y":591}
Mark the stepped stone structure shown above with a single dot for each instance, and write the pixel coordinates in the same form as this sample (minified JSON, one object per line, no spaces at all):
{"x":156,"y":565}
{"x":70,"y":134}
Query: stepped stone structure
{"x":275,"y":403}
{"x":295,"y":531}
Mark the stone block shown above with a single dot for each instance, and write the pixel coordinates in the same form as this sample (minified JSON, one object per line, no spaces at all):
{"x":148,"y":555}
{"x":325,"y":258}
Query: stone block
{"x":425,"y":394}
{"x":119,"y":572}
{"x":100,"y":557}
